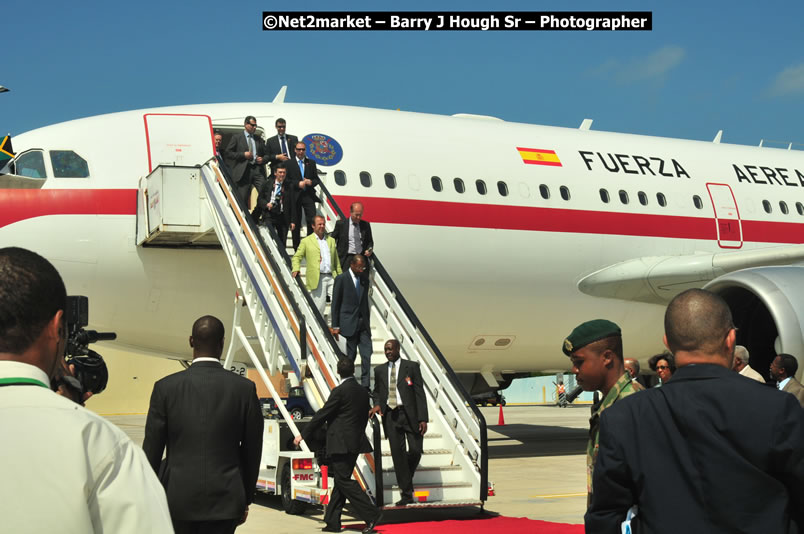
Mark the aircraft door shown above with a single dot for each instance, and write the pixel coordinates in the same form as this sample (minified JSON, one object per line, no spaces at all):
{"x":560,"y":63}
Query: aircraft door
{"x":178,"y":139}
{"x":727,"y":216}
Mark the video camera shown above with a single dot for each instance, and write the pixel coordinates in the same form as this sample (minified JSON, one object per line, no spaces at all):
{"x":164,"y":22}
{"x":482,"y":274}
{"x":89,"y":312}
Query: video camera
{"x":91,"y":373}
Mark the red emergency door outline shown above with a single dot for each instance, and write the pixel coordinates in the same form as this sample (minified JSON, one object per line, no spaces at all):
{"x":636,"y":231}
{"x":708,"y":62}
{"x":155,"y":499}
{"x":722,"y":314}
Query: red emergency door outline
{"x":727,"y":216}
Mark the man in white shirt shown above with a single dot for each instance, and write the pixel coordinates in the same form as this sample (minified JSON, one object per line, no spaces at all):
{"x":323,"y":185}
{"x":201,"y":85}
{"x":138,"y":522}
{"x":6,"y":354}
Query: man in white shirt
{"x":741,"y":364}
{"x":64,"y":468}
{"x":318,"y":249}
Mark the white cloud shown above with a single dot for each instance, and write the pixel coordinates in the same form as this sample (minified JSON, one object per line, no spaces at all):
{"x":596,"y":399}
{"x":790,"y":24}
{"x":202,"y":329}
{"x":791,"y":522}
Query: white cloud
{"x":788,"y":82}
{"x":652,"y":67}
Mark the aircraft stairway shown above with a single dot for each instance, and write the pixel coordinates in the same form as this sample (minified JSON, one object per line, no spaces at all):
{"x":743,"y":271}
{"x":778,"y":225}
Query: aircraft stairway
{"x":292,"y":337}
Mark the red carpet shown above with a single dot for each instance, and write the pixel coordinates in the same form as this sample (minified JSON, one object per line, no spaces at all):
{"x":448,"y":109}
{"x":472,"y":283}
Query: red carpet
{"x":488,"y":525}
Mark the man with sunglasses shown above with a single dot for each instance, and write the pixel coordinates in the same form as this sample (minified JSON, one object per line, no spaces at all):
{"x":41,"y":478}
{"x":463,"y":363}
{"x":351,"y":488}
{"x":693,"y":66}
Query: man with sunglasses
{"x":303,"y":177}
{"x":243,"y":156}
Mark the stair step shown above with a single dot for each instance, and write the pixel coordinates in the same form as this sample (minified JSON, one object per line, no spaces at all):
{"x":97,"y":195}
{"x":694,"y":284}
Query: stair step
{"x":427,"y":475}
{"x":436,"y":504}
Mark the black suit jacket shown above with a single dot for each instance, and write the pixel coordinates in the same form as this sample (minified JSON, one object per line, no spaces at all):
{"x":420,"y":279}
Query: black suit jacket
{"x":348,"y":313}
{"x":341,"y":235}
{"x":709,"y":451}
{"x":273,"y":148}
{"x":309,"y":194}
{"x":234,"y":158}
{"x":211,"y":422}
{"x":346,"y":415}
{"x":414,"y":401}
{"x":283,"y":209}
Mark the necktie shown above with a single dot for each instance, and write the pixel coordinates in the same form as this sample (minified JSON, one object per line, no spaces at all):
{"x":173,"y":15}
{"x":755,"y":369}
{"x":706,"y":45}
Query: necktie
{"x":392,"y":388}
{"x":251,"y":146}
{"x":301,"y":167}
{"x":358,"y":288}
{"x":284,"y":146}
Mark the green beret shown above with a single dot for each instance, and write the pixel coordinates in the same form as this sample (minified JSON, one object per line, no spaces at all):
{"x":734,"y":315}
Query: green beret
{"x":589,"y":332}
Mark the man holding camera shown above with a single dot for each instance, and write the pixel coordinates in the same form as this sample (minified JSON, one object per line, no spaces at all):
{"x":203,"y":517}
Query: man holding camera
{"x":64,"y":468}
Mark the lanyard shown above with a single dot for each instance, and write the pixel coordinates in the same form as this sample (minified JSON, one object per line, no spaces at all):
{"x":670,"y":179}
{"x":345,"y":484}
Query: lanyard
{"x":21,"y":381}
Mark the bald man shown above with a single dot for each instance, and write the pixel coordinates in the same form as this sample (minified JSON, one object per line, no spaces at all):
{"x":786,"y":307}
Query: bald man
{"x":712,"y":452}
{"x":211,"y":422}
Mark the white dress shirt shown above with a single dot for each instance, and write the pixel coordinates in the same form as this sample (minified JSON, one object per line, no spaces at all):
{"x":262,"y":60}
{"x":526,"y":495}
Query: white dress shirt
{"x":67,"y":470}
{"x":326,"y":260}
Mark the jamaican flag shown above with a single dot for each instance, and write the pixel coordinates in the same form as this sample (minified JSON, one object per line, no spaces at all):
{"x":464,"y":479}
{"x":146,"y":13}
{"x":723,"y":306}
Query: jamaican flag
{"x":6,"y":152}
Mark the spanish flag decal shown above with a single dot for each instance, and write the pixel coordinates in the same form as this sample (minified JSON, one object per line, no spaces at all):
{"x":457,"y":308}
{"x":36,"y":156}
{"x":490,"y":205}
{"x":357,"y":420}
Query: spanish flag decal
{"x":6,"y":152}
{"x":539,"y":156}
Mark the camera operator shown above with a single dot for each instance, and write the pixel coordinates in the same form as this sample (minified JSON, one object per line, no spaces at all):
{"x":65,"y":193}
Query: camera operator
{"x":64,"y":468}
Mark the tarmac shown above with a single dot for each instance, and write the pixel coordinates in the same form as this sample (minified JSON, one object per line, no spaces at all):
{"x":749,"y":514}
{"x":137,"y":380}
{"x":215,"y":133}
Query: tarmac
{"x":537,"y":464}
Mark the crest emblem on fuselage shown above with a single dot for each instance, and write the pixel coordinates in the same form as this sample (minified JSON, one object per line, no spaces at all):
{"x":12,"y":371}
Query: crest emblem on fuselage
{"x":323,"y":149}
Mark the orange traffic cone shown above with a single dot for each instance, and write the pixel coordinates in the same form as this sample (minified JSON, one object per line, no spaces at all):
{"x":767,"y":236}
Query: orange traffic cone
{"x":501,"y":419}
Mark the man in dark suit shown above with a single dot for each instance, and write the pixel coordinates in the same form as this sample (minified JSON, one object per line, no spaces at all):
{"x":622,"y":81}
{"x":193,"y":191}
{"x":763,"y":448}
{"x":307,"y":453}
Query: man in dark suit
{"x":211,"y":422}
{"x":218,"y":139}
{"x":399,"y":398}
{"x":243,"y":157}
{"x":351,"y":317}
{"x":353,"y":235}
{"x":783,"y":369}
{"x":709,"y":451}
{"x":303,"y":174}
{"x":279,"y":148}
{"x":276,"y":203}
{"x":346,"y":417}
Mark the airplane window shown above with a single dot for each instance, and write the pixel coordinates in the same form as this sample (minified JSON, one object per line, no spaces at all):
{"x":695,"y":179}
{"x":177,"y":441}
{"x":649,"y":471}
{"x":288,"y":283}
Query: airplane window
{"x":643,"y":198}
{"x":31,"y":164}
{"x":565,"y":194}
{"x":481,"y":187}
{"x":697,"y":201}
{"x":459,"y":187}
{"x":390,"y":180}
{"x":767,"y":206}
{"x":623,"y":196}
{"x":340,"y":177}
{"x":660,"y":198}
{"x":800,"y":208}
{"x":604,"y":196}
{"x":436,"y":181}
{"x":783,"y":207}
{"x":68,"y":164}
{"x":365,"y":179}
{"x":545,"y":191}
{"x":502,"y":188}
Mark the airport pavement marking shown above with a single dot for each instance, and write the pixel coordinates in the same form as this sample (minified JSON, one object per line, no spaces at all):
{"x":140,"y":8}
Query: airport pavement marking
{"x":559,"y":495}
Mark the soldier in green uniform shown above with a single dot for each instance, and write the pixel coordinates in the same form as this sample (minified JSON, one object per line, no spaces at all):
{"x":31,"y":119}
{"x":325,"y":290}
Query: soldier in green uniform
{"x":595,"y":349}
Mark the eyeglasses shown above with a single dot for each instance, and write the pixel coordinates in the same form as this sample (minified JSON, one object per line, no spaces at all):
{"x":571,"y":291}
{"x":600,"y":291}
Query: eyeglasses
{"x":300,"y":149}
{"x":253,"y":124}
{"x":661,"y":367}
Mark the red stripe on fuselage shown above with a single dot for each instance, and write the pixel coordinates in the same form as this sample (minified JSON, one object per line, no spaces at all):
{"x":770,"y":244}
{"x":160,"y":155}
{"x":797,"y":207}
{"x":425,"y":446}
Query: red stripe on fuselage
{"x":20,"y":204}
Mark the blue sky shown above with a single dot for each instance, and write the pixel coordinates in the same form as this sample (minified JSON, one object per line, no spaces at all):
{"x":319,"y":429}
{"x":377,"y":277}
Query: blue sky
{"x":705,"y":66}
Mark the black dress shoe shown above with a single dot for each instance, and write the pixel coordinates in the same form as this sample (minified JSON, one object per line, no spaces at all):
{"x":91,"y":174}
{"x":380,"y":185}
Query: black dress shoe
{"x":404,"y":501}
{"x":373,"y":523}
{"x":331,"y":529}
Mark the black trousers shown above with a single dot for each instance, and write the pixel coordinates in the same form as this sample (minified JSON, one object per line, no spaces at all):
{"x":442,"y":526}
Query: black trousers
{"x":406,"y":447}
{"x":341,"y":467}
{"x":361,"y":340}
{"x":281,"y":226}
{"x":308,"y":207}
{"x":224,"y":526}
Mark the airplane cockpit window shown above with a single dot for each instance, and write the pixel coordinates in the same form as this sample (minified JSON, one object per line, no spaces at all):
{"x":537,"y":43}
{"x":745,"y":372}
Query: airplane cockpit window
{"x":459,"y":187}
{"x":68,"y":164}
{"x":767,"y":206}
{"x":783,"y":207}
{"x":800,"y":208}
{"x":604,"y":196}
{"x":365,"y":179}
{"x":436,"y":181}
{"x":30,"y":164}
{"x":481,"y":186}
{"x":643,"y":198}
{"x":502,"y":188}
{"x":697,"y":201}
{"x":340,"y":177}
{"x":544,"y":191}
{"x":623,"y":196}
{"x":390,"y":180}
{"x":660,"y":198}
{"x":565,"y":193}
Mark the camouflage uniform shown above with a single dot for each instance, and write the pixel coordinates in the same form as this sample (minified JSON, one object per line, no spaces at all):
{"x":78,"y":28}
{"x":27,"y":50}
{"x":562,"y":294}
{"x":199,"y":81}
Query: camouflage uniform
{"x":621,"y":389}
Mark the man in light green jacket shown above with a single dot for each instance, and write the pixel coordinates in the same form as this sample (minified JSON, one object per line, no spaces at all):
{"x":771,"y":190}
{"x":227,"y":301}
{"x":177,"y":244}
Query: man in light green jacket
{"x":318,"y":249}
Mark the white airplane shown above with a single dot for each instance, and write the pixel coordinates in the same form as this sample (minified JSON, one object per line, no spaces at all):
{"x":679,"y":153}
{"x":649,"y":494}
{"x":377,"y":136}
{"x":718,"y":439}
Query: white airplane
{"x":503,"y":236}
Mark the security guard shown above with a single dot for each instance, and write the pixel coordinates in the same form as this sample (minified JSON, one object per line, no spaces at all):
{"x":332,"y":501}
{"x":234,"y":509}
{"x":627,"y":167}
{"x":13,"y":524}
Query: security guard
{"x":595,"y":349}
